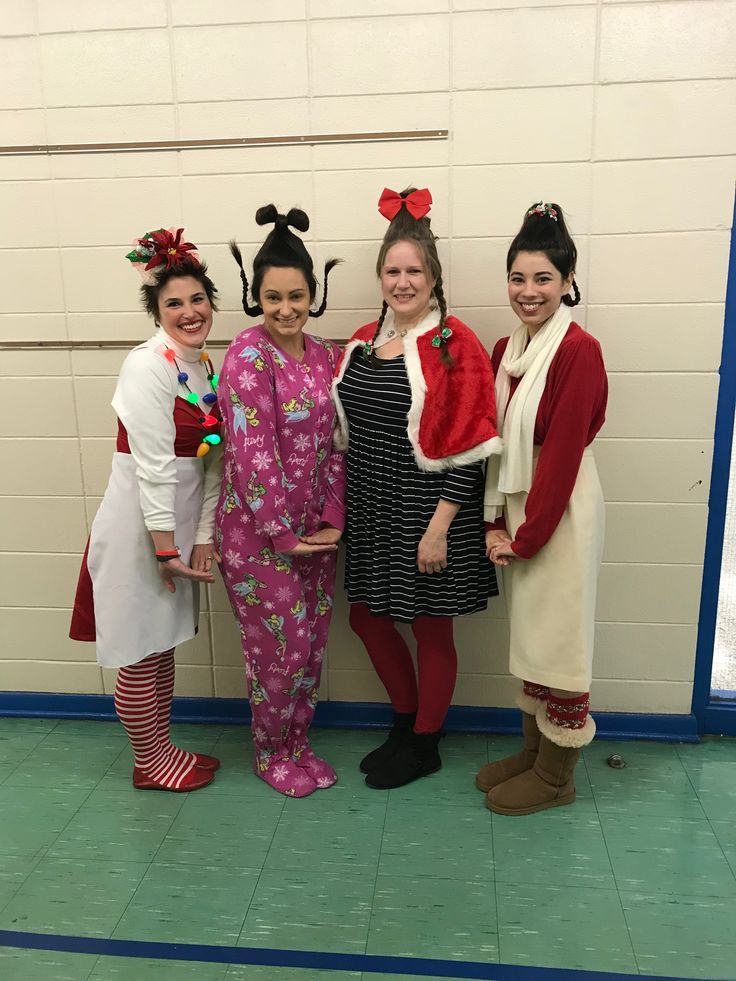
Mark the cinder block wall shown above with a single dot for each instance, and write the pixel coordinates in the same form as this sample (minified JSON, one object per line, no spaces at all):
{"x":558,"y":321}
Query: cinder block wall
{"x":621,"y":111}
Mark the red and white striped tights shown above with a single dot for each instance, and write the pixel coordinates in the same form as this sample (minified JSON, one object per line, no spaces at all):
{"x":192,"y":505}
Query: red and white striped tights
{"x":143,"y":696}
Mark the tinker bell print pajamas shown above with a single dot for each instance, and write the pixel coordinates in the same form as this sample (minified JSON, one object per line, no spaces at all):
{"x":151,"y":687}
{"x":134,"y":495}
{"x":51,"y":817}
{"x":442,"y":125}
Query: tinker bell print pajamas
{"x":282,"y":480}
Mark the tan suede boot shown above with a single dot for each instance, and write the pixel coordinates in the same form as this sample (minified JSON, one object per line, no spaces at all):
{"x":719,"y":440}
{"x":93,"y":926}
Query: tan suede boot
{"x":549,"y":783}
{"x":493,"y":774}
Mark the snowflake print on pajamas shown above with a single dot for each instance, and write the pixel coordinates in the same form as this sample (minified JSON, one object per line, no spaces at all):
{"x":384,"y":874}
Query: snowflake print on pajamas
{"x":285,"y":479}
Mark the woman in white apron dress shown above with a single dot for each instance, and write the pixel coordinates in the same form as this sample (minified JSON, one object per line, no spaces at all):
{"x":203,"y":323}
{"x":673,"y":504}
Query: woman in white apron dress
{"x":544,"y":514}
{"x":151,"y":542}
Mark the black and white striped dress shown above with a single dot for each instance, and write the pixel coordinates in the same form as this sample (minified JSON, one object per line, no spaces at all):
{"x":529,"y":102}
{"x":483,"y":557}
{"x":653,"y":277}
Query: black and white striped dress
{"x":390,"y":502}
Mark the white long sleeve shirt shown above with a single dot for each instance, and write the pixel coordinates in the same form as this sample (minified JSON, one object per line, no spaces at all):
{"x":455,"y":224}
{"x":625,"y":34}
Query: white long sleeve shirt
{"x":144,"y":402}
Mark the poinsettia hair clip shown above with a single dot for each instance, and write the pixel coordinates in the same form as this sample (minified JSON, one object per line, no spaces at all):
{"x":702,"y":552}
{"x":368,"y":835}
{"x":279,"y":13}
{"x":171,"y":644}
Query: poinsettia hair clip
{"x":540,"y":208}
{"x":162,"y":247}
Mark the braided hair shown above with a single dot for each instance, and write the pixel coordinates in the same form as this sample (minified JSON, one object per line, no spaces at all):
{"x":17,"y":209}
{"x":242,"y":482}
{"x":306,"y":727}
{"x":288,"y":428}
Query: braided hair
{"x":405,"y":228}
{"x":544,"y":230}
{"x":282,"y":249}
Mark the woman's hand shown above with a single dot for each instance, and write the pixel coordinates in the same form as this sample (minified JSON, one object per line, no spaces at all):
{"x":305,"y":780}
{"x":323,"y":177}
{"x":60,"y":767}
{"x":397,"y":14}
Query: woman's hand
{"x":494,"y":537}
{"x":432,"y":552}
{"x":305,"y":549}
{"x":324,"y":536}
{"x":498,"y":547}
{"x":176,"y":569}
{"x":203,"y":557}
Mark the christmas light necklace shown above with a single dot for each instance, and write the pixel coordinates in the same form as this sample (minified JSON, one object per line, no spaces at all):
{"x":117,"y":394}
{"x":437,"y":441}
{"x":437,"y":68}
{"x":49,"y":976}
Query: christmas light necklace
{"x":207,"y":420}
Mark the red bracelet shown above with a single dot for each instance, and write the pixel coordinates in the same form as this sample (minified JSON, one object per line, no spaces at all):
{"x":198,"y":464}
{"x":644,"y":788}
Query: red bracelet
{"x":168,"y":553}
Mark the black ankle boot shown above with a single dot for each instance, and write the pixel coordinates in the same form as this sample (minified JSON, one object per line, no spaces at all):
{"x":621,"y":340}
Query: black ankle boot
{"x":399,"y":734}
{"x":417,"y":757}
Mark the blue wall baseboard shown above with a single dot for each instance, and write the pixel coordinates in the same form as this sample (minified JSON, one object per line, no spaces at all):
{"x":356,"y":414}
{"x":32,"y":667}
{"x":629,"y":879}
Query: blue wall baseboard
{"x":344,"y":715}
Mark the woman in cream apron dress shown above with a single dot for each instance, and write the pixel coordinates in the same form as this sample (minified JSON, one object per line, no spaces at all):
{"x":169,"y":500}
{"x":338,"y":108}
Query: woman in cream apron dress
{"x":151,"y":541}
{"x":544,"y":514}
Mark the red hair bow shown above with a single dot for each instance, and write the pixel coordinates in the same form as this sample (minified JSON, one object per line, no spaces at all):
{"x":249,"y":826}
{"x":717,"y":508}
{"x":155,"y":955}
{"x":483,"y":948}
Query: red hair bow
{"x":417,"y":203}
{"x":169,"y":248}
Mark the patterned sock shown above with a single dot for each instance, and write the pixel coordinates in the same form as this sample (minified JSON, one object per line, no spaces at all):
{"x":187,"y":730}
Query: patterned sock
{"x":164,"y":697}
{"x":540,"y":692}
{"x":568,"y":713}
{"x":136,"y":703}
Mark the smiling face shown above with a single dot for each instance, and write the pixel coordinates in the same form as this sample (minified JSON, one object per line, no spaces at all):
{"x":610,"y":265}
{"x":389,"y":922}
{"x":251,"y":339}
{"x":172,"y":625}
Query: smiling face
{"x":405,"y":284}
{"x":184,"y":311}
{"x":536,"y":288}
{"x":284,"y":298}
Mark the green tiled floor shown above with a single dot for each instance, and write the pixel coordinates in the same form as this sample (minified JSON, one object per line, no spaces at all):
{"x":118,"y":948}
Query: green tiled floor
{"x":638,"y":877}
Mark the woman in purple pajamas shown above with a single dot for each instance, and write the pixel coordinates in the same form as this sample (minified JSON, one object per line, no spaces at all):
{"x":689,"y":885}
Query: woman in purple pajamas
{"x":281,"y":509}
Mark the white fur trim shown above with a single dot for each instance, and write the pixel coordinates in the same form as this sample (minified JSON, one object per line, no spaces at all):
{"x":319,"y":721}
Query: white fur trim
{"x":528,"y":704}
{"x":560,"y":736}
{"x":341,"y":437}
{"x":418,"y":387}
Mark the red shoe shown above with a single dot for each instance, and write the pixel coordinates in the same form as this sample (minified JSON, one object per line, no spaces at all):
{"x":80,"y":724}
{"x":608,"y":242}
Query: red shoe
{"x":206,"y":762}
{"x":194,"y":780}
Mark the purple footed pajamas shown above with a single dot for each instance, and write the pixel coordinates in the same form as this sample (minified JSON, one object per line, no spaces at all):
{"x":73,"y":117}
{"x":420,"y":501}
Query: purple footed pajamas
{"x":282,"y":480}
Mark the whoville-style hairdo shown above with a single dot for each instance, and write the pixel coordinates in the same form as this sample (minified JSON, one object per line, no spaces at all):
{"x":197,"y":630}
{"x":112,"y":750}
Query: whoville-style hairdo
{"x":544,"y":230}
{"x":285,"y":250}
{"x":407,"y":212}
{"x":160,"y":256}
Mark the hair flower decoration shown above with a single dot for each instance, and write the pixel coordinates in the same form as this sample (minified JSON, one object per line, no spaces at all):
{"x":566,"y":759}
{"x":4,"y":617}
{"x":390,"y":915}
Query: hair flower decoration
{"x":442,"y":338}
{"x":540,"y":208}
{"x":163,"y":246}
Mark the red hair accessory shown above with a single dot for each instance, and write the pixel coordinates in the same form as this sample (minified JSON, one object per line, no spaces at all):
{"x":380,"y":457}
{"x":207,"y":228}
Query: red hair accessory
{"x":163,"y":246}
{"x":417,"y":203}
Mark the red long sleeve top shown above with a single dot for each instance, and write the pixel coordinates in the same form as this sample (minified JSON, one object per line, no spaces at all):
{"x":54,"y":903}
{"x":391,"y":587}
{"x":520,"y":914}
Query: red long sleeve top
{"x":571,"y":411}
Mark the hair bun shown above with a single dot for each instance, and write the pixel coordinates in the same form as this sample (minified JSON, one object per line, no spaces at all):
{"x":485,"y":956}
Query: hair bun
{"x":298,"y":219}
{"x":267,"y":215}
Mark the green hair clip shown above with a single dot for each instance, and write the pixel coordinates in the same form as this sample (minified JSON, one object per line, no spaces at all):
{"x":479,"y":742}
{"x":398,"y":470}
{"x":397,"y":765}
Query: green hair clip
{"x":442,"y":338}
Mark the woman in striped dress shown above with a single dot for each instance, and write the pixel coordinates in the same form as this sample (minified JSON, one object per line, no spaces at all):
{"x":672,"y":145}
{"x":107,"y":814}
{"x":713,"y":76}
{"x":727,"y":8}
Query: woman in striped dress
{"x":414,"y":396}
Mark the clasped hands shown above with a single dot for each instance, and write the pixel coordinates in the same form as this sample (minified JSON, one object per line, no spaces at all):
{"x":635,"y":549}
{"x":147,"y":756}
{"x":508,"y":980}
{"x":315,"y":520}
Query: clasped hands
{"x":498,"y":547}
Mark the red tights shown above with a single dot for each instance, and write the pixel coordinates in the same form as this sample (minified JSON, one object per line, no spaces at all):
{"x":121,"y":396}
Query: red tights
{"x":431,"y":695}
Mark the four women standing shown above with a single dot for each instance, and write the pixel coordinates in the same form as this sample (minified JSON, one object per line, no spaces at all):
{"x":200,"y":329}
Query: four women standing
{"x":414,"y":396}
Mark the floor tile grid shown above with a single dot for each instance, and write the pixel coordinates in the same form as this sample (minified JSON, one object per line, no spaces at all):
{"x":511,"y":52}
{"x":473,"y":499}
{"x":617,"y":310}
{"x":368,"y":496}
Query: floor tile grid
{"x":690,"y":962}
{"x":42,"y":853}
{"x":28,"y":753}
{"x":709,"y":820}
{"x":221,"y":735}
{"x":284,"y":817}
{"x":375,"y":880}
{"x":142,"y":878}
{"x":18,"y":763}
{"x":94,"y":961}
{"x":584,"y":763}
{"x":491,"y":815}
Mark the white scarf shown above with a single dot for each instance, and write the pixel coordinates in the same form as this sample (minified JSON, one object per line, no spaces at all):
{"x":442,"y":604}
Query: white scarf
{"x":512,"y":471}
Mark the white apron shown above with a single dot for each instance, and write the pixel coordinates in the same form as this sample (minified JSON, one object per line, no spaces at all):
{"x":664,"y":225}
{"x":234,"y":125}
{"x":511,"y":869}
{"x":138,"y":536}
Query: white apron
{"x":551,"y":597}
{"x":135,"y":615}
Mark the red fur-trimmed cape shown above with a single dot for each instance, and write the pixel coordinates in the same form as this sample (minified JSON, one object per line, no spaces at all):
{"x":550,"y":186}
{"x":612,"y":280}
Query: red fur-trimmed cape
{"x":452,"y":419}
